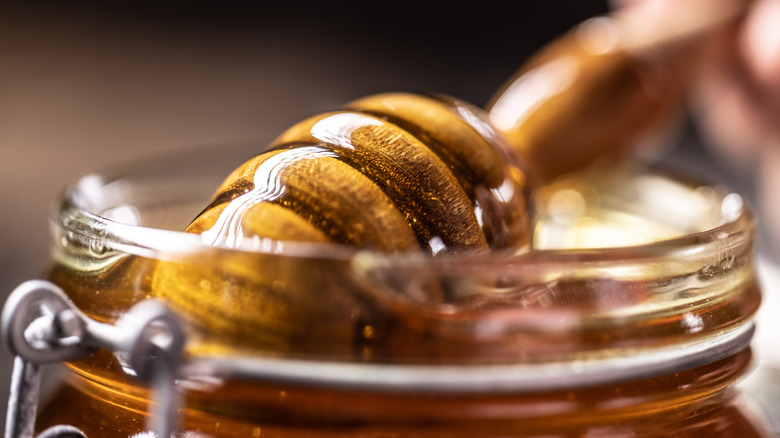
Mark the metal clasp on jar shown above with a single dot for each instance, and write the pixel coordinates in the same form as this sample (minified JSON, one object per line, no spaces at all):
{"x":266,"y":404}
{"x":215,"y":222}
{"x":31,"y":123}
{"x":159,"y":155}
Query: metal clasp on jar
{"x":41,"y":326}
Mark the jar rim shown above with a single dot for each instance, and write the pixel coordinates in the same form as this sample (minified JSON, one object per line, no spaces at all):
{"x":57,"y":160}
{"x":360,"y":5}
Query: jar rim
{"x":76,"y":211}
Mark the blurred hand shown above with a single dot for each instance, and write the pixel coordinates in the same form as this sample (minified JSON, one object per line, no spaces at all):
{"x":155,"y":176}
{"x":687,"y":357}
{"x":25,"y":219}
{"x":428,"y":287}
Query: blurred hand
{"x":737,"y":107}
{"x":735,"y":100}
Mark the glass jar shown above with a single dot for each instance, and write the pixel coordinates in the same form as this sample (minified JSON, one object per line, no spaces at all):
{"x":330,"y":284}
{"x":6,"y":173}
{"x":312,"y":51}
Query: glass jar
{"x":632,"y":316}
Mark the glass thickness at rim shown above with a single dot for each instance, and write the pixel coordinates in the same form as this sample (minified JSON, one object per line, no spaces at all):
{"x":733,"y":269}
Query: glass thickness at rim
{"x":679,"y":302}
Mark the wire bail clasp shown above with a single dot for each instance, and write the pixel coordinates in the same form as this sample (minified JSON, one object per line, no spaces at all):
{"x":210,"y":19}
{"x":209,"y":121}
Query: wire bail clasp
{"x":41,"y":326}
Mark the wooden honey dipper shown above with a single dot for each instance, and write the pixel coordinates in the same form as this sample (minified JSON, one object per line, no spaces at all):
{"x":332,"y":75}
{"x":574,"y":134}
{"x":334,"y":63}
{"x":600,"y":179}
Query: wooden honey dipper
{"x":399,"y":171}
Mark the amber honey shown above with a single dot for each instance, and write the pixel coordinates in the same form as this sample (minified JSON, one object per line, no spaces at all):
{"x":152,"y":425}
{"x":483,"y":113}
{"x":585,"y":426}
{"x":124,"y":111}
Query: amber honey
{"x":697,"y":402}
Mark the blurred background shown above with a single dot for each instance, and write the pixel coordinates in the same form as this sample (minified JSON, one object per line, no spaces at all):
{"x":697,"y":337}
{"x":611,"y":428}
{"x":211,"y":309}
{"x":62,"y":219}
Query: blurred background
{"x":86,"y":85}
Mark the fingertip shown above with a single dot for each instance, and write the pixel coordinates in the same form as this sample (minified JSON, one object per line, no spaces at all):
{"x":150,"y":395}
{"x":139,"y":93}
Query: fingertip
{"x":760,"y":41}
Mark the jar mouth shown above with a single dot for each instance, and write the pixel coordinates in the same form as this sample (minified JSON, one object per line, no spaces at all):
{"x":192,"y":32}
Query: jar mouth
{"x":111,"y":206}
{"x":678,"y":293}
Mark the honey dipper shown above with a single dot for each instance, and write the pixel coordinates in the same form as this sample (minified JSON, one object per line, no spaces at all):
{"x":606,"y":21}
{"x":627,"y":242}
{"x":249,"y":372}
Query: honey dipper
{"x":398,"y":171}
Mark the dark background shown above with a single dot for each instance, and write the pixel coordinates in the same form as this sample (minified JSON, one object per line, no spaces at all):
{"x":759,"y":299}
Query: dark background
{"x":85,"y":85}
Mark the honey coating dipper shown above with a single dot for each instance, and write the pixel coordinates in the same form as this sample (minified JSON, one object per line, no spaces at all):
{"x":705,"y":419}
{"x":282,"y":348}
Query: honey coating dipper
{"x":391,"y":172}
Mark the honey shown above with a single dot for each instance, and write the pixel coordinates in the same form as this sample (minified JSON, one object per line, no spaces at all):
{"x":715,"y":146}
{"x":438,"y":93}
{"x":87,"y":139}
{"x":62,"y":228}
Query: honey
{"x":697,"y":402}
